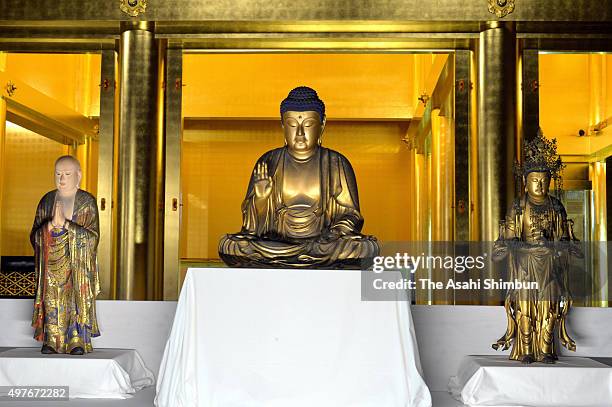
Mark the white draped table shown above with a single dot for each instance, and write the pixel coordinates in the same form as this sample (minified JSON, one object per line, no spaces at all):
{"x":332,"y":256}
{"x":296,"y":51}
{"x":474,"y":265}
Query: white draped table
{"x":290,"y":338}
{"x":499,"y":382}
{"x":104,"y":373}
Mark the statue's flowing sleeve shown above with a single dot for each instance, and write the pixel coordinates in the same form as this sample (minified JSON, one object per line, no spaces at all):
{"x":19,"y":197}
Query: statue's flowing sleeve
{"x":39,"y":236}
{"x":343,"y":209}
{"x":84,"y":235}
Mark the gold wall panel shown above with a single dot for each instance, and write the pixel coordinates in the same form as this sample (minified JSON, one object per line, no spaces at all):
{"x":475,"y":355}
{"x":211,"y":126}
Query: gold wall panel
{"x":575,"y":93}
{"x":218,"y":157}
{"x":353,"y":86}
{"x":71,"y":79}
{"x":28,"y":174}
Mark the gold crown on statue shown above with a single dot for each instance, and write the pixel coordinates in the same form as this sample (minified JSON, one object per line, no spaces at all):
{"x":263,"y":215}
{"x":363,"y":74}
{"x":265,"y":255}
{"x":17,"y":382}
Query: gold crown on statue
{"x":540,"y":155}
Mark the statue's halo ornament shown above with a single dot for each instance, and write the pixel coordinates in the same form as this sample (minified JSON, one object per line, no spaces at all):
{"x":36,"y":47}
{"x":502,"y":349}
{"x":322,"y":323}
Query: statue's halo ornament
{"x":133,"y":8}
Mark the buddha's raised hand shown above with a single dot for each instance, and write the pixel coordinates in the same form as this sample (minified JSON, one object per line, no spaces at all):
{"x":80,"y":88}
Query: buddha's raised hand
{"x":263,"y":181}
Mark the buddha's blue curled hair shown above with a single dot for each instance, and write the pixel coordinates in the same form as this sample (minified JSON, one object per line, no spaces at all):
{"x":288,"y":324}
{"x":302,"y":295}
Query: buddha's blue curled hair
{"x":302,"y":99}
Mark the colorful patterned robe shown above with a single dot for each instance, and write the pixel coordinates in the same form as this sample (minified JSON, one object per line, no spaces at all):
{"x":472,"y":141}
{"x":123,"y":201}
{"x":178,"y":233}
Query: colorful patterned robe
{"x":67,"y":275}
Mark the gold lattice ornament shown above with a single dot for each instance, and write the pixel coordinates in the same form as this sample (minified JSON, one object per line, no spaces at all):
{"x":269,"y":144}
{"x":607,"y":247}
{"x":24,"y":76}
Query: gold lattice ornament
{"x":16,"y":284}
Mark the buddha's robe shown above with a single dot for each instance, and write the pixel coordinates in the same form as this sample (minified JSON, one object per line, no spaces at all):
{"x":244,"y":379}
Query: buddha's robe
{"x":311,"y":218}
{"x":539,"y":253}
{"x":67,"y":275}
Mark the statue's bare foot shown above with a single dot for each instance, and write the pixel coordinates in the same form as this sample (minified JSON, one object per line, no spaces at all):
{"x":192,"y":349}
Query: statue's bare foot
{"x":47,"y":350}
{"x":527,"y":359}
{"x":549,"y":359}
{"x":77,"y":351}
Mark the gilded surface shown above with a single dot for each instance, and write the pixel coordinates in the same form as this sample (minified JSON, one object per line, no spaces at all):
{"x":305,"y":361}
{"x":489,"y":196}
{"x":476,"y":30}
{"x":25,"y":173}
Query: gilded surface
{"x":533,"y":314}
{"x":537,"y":240}
{"x":16,"y":284}
{"x":287,"y":234}
{"x":501,"y":8}
{"x":301,"y":207}
{"x":64,"y":309}
{"x":303,"y":10}
{"x":133,"y":8}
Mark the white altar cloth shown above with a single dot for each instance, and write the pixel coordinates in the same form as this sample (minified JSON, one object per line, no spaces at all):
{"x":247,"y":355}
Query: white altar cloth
{"x":290,"y":338}
{"x":104,"y":373}
{"x":497,"y":381}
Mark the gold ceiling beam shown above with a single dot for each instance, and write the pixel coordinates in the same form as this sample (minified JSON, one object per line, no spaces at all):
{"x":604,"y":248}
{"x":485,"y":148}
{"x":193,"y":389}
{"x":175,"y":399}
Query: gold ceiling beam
{"x":303,"y":10}
{"x":165,"y":28}
{"x":111,"y":29}
{"x":319,"y":44}
{"x":40,"y":113}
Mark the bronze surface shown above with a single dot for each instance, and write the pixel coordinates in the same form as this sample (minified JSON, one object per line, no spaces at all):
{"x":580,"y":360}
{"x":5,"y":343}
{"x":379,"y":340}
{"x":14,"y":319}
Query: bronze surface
{"x":536,"y":313}
{"x":301,"y":208}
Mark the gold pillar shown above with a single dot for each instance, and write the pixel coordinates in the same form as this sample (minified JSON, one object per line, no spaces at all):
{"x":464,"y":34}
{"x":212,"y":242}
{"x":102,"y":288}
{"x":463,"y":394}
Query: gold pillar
{"x":597,"y":113}
{"x":436,"y":195}
{"x":442,"y":218}
{"x":107,"y":136}
{"x":2,"y":157}
{"x":83,"y":153}
{"x":497,"y":125}
{"x":497,"y":132}
{"x":459,"y":158}
{"x":139,"y":170}
{"x":442,"y":197}
{"x":597,"y":81}
{"x":157,"y":285}
{"x":173,"y":206}
{"x":3,"y":56}
{"x":599,"y":235}
{"x":474,"y":204}
{"x":423,"y":219}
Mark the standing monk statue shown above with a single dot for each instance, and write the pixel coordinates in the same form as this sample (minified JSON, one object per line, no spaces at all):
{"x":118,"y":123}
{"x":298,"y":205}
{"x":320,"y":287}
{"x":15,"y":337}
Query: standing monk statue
{"x":65,"y":236}
{"x":301,"y":207}
{"x":537,"y":240}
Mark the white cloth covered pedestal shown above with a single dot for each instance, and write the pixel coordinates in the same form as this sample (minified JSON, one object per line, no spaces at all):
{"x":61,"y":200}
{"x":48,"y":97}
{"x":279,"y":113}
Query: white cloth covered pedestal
{"x":497,"y":381}
{"x":104,"y":373}
{"x":298,"y":338}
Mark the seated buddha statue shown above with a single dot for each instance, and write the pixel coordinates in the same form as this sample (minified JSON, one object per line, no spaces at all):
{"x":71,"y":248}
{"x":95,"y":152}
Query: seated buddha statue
{"x":301,"y":207}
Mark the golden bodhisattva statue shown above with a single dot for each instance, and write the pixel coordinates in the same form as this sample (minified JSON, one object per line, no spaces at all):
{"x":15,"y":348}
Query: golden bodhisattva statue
{"x":301,"y":207}
{"x":65,"y":238}
{"x":537,"y":240}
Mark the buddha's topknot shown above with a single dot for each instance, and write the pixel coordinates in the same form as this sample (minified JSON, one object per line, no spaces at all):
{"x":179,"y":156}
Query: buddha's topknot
{"x":302,"y":99}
